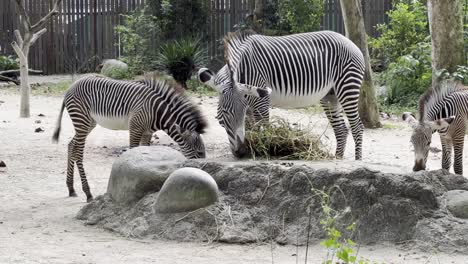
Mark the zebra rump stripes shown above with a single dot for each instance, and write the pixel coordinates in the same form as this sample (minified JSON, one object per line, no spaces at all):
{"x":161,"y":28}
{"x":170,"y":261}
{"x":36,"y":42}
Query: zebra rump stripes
{"x":142,"y":107}
{"x":298,"y":70}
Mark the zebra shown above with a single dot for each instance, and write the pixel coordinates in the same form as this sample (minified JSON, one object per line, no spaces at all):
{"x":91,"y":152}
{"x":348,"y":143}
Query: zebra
{"x":443,"y":108}
{"x":258,"y":108}
{"x":296,"y":71}
{"x":141,"y":107}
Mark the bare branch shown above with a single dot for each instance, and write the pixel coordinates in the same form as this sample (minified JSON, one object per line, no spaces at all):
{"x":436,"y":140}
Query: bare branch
{"x":8,"y":79}
{"x":19,"y":52}
{"x":19,"y":39}
{"x":37,"y":35}
{"x":36,"y":27}
{"x":17,"y":71}
{"x":24,"y":14}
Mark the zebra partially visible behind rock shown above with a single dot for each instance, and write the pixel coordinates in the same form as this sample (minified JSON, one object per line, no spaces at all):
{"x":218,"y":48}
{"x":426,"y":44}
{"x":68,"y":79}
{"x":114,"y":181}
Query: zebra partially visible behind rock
{"x":140,"y":107}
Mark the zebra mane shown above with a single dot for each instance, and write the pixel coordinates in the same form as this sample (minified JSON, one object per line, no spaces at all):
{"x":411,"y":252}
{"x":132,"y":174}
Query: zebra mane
{"x":436,"y":95}
{"x":177,"y":99}
{"x":234,"y":40}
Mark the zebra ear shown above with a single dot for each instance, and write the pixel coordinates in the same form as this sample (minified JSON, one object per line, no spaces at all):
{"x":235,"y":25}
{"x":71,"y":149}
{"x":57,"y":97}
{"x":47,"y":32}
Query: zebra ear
{"x":253,"y":90}
{"x":206,"y":76}
{"x":410,"y":119}
{"x":441,"y":123}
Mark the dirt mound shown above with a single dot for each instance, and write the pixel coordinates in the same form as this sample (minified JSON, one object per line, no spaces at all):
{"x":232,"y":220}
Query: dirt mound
{"x":263,"y":201}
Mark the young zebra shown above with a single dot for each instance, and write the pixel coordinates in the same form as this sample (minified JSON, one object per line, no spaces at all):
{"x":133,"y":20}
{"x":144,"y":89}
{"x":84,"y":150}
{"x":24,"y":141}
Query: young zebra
{"x":444,"y":109}
{"x":142,"y":107}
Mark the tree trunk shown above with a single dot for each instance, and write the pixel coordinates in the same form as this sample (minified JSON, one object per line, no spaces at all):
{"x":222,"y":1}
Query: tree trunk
{"x":356,"y":32}
{"x":446,"y":26}
{"x":31,"y":33}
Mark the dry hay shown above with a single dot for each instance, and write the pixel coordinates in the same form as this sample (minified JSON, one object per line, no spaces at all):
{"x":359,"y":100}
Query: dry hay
{"x":278,"y":139}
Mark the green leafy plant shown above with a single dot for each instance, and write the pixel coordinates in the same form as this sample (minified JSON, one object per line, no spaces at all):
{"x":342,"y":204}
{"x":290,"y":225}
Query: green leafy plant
{"x":407,"y":27}
{"x":460,"y":74}
{"x":301,"y":15}
{"x":8,"y":63}
{"x":340,"y":248}
{"x":138,"y":34}
{"x":120,"y":74}
{"x":408,"y":77}
{"x":180,"y":58}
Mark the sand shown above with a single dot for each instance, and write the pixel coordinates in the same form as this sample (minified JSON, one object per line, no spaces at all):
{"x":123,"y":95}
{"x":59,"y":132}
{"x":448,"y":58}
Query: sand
{"x":37,"y":219}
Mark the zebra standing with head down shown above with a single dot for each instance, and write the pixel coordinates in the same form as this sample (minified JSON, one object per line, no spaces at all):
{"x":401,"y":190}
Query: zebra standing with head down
{"x":298,"y":70}
{"x":141,"y":107}
{"x":443,"y":108}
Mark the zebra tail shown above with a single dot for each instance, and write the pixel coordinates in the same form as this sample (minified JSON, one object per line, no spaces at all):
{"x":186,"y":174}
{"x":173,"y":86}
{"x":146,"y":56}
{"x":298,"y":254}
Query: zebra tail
{"x":58,"y":126}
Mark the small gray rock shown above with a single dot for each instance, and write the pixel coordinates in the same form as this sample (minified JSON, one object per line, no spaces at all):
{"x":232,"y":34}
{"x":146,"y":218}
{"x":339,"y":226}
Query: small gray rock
{"x":142,"y":170}
{"x":187,"y":189}
{"x":457,"y":203}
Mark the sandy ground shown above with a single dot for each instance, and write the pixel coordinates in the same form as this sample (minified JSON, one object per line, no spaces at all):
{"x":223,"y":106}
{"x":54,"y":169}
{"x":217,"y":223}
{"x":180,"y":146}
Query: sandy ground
{"x":37,"y":219}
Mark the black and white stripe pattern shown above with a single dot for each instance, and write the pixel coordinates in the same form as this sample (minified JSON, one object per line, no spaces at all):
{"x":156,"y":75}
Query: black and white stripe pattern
{"x":444,"y":109}
{"x":141,"y":107}
{"x":301,"y":70}
{"x":258,"y":107}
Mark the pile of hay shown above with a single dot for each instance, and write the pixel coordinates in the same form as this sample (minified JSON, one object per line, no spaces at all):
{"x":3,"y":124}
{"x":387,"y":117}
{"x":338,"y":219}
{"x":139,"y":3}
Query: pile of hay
{"x":279,"y":139}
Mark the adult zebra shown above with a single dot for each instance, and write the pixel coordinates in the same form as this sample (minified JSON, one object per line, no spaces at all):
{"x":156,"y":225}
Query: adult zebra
{"x":142,"y":107}
{"x":298,"y":70}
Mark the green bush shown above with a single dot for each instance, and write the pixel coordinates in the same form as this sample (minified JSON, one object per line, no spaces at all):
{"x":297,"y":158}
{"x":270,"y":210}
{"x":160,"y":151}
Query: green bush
{"x":409,"y":77}
{"x":180,"y":58}
{"x":460,"y":74}
{"x":407,"y":27}
{"x":120,"y":74}
{"x":282,"y":17}
{"x":137,"y":37}
{"x":8,"y":63}
{"x":301,"y":15}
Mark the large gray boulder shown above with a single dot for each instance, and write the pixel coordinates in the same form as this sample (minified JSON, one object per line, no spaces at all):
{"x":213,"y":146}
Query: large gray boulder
{"x":457,"y":203}
{"x":185,"y":190}
{"x":109,"y":66}
{"x":142,"y":170}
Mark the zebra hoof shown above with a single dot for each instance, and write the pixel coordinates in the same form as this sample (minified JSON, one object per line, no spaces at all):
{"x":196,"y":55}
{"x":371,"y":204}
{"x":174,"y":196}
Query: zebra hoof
{"x":89,"y":199}
{"x":72,"y":194}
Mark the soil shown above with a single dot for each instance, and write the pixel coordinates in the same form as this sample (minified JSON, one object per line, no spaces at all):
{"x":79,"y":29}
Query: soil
{"x":38,"y":221}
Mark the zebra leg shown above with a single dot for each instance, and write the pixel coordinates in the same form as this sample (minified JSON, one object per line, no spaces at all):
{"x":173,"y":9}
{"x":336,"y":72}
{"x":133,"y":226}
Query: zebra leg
{"x":349,"y":102}
{"x":146,"y":139}
{"x":80,"y":139}
{"x":458,"y":153}
{"x":71,"y":168}
{"x":446,"y":152}
{"x":335,"y":116}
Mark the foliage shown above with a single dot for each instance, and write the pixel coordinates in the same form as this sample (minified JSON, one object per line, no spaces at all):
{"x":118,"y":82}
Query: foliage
{"x":407,"y":27}
{"x":301,"y":15}
{"x":338,"y":246}
{"x":179,"y":19}
{"x":120,"y":74}
{"x":279,"y":139}
{"x":460,"y":74}
{"x":180,"y":58}
{"x":8,"y":63}
{"x":137,"y":34}
{"x":409,"y":77}
{"x":286,"y":17}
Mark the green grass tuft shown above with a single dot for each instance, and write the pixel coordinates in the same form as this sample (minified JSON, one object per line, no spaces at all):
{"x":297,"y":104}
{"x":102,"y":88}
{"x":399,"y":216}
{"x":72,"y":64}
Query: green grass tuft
{"x":52,"y":88}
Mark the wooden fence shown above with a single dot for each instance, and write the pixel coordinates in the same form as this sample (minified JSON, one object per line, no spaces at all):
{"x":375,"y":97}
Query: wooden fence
{"x":83,"y":33}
